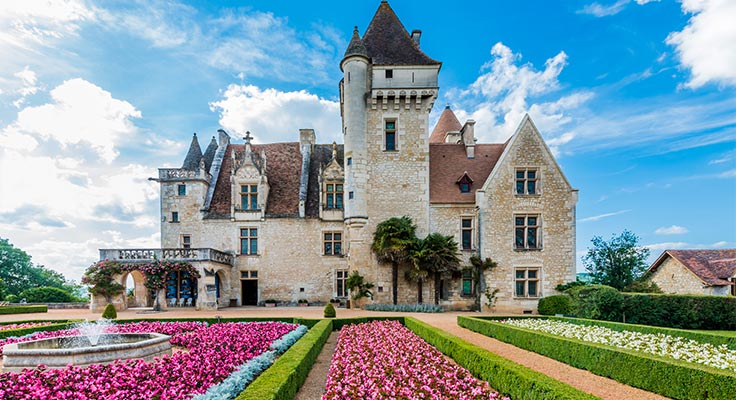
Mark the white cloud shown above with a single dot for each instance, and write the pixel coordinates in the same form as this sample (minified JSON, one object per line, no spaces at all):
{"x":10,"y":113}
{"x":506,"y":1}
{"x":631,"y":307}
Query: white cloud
{"x":28,"y":86}
{"x":601,"y":10}
{"x":24,"y":23}
{"x":81,"y":113}
{"x":671,"y":230}
{"x":657,"y":248}
{"x":275,"y":116}
{"x":706,"y":45}
{"x":601,"y":216}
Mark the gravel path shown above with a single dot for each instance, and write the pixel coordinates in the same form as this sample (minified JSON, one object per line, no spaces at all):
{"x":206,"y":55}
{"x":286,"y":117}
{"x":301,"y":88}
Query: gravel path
{"x":314,"y":386}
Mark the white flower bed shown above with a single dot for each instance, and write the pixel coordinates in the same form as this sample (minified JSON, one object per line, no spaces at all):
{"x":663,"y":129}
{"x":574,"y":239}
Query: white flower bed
{"x":720,"y":357}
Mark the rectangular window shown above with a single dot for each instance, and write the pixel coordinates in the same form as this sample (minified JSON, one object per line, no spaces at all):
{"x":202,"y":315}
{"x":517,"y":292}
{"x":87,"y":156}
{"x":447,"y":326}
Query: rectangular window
{"x":467,"y":289}
{"x":467,"y":234}
{"x":350,"y":160}
{"x":527,"y":282}
{"x":526,"y":181}
{"x":248,"y":274}
{"x":334,"y":196}
{"x":249,"y":197}
{"x":182,"y":190}
{"x":174,"y":216}
{"x":389,"y":73}
{"x":248,"y":241}
{"x":341,"y":283}
{"x":527,"y":232}
{"x":390,"y":133}
{"x":350,"y":195}
{"x":186,"y":241}
{"x":332,"y":243}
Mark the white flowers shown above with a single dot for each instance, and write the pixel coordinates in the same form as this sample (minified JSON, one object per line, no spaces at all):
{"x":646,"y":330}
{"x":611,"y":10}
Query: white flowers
{"x":662,"y":345}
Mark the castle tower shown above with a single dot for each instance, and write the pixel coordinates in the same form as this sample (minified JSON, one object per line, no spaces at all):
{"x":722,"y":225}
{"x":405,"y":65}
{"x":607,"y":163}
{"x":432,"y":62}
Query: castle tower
{"x":388,"y":89}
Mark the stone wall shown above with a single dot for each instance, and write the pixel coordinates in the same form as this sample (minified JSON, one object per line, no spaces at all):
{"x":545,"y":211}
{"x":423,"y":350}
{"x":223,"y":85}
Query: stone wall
{"x":673,"y":277}
{"x":188,"y":207}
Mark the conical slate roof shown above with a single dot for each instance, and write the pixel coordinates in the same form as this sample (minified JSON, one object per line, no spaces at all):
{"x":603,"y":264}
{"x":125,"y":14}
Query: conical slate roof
{"x":356,"y":46}
{"x":209,"y":154}
{"x":388,"y":42}
{"x":191,"y":161}
{"x":447,"y":122}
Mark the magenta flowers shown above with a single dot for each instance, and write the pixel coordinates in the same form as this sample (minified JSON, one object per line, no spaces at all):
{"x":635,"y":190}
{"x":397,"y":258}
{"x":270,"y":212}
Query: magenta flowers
{"x":209,"y":355}
{"x":23,"y":325}
{"x":385,"y":360}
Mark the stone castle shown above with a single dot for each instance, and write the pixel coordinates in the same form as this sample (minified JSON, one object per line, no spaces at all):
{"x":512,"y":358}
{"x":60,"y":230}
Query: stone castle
{"x":289,"y":221}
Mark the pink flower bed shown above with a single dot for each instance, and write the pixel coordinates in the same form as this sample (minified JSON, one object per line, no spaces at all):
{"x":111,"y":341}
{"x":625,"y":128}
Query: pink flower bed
{"x":24,"y":325}
{"x":385,"y":360}
{"x":213,"y":353}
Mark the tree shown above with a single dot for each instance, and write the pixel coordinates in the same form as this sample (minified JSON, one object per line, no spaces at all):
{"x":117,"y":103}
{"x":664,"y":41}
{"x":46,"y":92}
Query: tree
{"x":618,"y":262}
{"x":358,"y":287}
{"x":478,"y":267}
{"x":392,"y":242}
{"x":47,"y":294}
{"x":437,"y":255}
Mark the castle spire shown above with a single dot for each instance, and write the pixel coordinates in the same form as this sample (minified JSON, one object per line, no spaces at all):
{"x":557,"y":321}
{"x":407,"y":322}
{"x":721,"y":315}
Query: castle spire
{"x":447,"y":122}
{"x":356,"y":47}
{"x":191,"y":161}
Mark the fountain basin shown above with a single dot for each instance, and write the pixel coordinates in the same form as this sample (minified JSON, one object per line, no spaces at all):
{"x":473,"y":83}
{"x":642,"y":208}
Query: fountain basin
{"x":61,"y":351}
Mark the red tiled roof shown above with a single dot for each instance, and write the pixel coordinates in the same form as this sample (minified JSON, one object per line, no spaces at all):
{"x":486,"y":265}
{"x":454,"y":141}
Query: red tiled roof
{"x":448,"y":162}
{"x":388,"y":42}
{"x":283,"y":168}
{"x":713,"y":267}
{"x":447,"y":122}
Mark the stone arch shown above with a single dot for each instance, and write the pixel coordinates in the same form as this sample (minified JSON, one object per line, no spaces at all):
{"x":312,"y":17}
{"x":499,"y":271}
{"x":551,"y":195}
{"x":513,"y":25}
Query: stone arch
{"x":222,"y":283}
{"x":141,"y":296}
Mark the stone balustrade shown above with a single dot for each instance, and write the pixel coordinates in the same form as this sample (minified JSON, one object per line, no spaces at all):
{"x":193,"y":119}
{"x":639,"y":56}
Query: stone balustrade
{"x":166,"y":174}
{"x":172,"y":254}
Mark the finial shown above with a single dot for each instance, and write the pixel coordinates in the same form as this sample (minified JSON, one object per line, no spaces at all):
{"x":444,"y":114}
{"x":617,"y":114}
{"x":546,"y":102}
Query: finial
{"x":447,"y":106}
{"x":334,"y":150}
{"x":355,"y":28}
{"x":247,"y":137}
{"x":195,"y":134}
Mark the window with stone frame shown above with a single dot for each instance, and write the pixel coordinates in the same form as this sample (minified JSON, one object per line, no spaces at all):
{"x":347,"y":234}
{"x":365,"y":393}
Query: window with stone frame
{"x":181,"y":190}
{"x":390,"y":135}
{"x":527,"y":282}
{"x":341,"y":279}
{"x":186,"y":241}
{"x":332,"y":243}
{"x":466,"y":233}
{"x":249,"y":197}
{"x":333,"y":196}
{"x":249,"y":241}
{"x":468,"y":284}
{"x":527,"y":232}
{"x":174,"y":216}
{"x":526,"y":181}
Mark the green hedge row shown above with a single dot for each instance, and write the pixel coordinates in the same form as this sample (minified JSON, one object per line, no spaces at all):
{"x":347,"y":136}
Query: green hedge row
{"x":283,"y":379}
{"x":23,"y":309}
{"x":671,"y":378}
{"x":26,"y":331}
{"x":504,"y":375}
{"x":680,"y":311}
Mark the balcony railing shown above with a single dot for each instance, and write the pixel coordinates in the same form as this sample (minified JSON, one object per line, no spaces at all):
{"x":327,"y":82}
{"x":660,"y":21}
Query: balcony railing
{"x":180,"y":173}
{"x":137,"y":255}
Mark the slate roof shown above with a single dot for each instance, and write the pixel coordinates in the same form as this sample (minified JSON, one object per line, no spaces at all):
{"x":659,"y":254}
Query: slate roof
{"x":448,"y":162}
{"x":209,"y":154}
{"x":320,"y":157}
{"x":388,"y":42}
{"x":191,"y":161}
{"x":356,"y":46}
{"x":713,"y":267}
{"x":447,"y":122}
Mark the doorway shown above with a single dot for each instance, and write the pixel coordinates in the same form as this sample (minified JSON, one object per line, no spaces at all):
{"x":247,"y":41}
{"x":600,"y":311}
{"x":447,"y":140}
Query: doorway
{"x":249,"y":292}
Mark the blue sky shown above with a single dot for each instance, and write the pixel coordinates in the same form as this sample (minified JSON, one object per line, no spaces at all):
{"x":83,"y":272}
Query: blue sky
{"x":636,"y":98}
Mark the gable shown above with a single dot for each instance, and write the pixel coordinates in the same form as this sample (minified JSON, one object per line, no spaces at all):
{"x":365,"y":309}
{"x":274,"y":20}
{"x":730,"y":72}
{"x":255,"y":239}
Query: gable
{"x":712,"y":267}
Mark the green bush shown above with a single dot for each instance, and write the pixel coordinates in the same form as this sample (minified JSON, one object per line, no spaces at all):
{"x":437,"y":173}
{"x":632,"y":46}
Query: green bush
{"x":330,"y":311}
{"x":11,"y":298}
{"x":680,"y":311}
{"x":283,"y":379}
{"x":47,"y":294}
{"x":110,"y":312}
{"x":639,"y":286}
{"x":506,"y":376}
{"x":670,"y":378}
{"x":23,"y":309}
{"x":596,"y":302}
{"x":551,"y":305}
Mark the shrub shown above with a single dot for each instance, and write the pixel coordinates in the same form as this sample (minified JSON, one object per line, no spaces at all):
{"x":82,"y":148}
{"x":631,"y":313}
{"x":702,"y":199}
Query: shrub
{"x":11,"y":298}
{"x":680,"y":311}
{"x":330,"y":311}
{"x":569,"y":285}
{"x":23,"y":309}
{"x":596,"y":302}
{"x":551,"y":305}
{"x":110,"y":312}
{"x":642,"y":287}
{"x":425,"y":308}
{"x":47,"y":294}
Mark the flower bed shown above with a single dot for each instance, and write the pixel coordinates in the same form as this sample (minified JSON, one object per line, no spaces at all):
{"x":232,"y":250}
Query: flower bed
{"x":214,"y":353}
{"x":383,"y":359}
{"x":662,"y":345}
{"x":23,"y":325}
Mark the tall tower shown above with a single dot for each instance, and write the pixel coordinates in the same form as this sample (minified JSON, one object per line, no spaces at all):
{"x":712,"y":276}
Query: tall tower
{"x":388,"y":89}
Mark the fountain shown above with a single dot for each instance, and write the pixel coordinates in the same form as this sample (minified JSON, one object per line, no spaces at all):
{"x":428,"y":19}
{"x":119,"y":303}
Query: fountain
{"x":92,"y":346}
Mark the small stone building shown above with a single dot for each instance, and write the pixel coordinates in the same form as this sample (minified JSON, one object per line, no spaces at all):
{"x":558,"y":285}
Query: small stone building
{"x":695,"y":272}
{"x":297,"y":217}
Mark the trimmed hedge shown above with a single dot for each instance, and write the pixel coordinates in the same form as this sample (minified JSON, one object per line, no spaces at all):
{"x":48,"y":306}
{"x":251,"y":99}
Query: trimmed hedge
{"x":671,"y":378}
{"x":27,"y":331}
{"x":283,"y":379}
{"x":110,"y":312}
{"x":680,"y":311}
{"x":23,"y":309}
{"x":504,"y":375}
{"x":551,"y":305}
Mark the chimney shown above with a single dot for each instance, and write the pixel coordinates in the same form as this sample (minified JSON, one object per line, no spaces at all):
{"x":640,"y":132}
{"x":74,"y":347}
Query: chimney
{"x":468,"y":133}
{"x":416,"y":34}
{"x":224,"y":138}
{"x":306,"y":138}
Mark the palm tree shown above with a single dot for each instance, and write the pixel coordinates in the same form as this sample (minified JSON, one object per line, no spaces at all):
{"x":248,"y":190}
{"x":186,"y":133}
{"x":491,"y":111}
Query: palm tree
{"x":437,"y":254}
{"x":391,"y":242}
{"x":477,"y":267}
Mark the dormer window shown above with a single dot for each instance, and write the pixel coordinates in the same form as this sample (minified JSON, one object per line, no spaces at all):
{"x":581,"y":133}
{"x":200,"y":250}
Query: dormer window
{"x":249,"y":197}
{"x":333,"y":196}
{"x":465,"y":183}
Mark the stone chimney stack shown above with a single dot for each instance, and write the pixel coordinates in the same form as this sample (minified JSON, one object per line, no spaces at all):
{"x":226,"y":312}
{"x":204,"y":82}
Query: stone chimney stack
{"x":224,"y":138}
{"x":468,"y":133}
{"x":416,"y":34}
